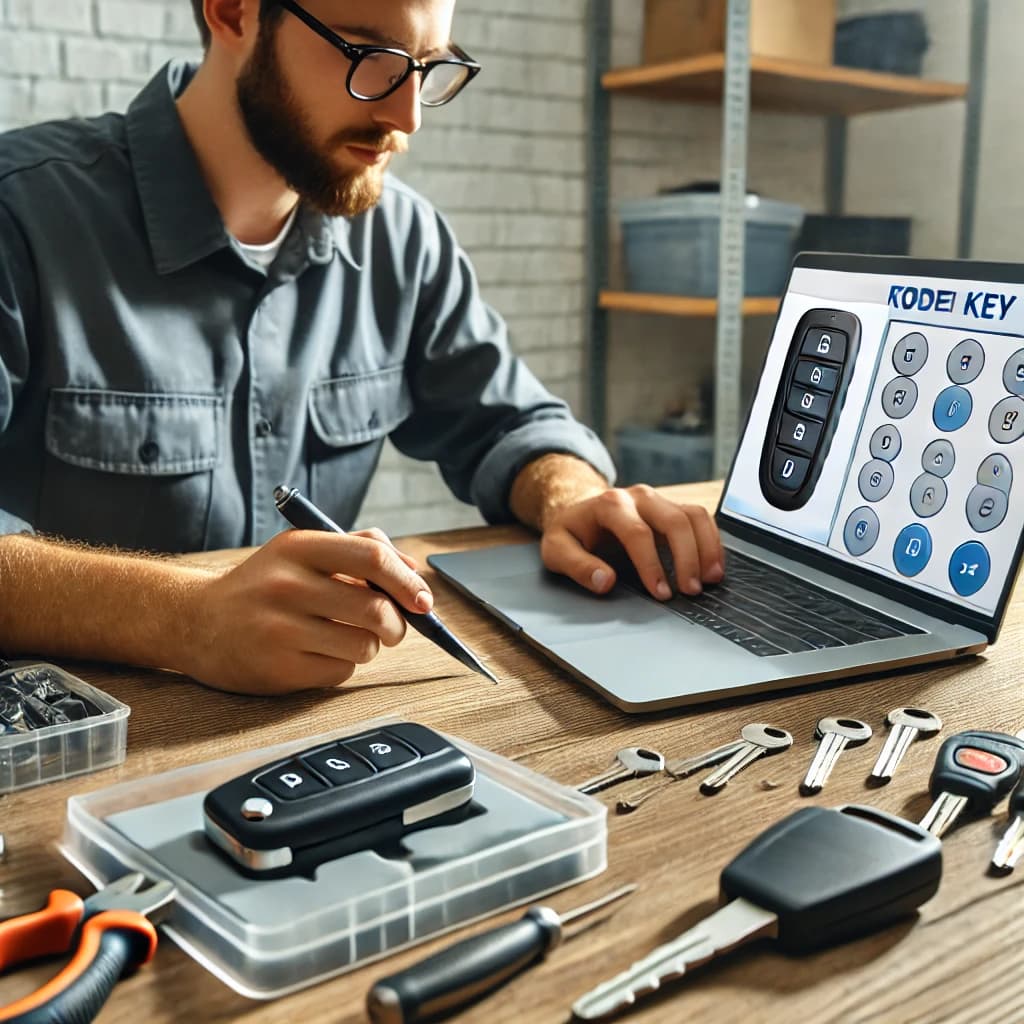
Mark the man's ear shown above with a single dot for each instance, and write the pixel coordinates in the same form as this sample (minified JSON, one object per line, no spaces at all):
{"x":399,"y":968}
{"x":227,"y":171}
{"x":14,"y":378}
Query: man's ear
{"x":233,"y":24}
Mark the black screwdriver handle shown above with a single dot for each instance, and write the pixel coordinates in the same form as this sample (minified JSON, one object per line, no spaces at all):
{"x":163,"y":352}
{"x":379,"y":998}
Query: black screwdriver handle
{"x":982,"y":766}
{"x":443,"y":983}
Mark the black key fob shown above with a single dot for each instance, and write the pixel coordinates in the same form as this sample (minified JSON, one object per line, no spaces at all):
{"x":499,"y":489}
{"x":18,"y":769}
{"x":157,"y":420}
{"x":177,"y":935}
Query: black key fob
{"x":811,"y":393}
{"x":359,"y":792}
{"x":982,"y":766}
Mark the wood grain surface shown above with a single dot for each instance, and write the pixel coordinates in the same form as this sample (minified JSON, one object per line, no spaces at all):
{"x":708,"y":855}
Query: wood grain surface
{"x":960,"y":960}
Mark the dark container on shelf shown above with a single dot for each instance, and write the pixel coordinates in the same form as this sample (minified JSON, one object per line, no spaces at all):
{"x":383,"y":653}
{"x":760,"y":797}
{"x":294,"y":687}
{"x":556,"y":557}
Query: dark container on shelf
{"x":876,"y":236}
{"x":894,"y":41}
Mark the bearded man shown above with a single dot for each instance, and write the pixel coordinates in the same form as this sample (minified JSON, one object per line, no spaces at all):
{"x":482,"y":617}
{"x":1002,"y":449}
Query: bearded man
{"x":223,"y":290}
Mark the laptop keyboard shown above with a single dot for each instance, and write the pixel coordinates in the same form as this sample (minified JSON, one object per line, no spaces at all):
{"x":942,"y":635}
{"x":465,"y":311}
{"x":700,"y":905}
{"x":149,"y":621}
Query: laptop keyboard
{"x":769,"y":612}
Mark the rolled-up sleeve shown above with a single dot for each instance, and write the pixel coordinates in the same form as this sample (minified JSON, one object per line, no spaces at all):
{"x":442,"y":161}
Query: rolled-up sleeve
{"x":480,"y":413}
{"x":18,"y":299}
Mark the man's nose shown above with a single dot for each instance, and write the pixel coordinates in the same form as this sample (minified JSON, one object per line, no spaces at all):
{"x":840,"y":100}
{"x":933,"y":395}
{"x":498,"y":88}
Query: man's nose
{"x":401,"y":110}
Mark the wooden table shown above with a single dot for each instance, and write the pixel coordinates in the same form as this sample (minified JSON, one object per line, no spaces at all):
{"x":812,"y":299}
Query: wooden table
{"x":961,"y":960}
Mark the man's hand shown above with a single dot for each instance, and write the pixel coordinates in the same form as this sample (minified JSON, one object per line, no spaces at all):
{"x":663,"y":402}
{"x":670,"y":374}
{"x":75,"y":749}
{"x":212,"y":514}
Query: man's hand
{"x":298,"y":614}
{"x":576,"y":512}
{"x":632,"y":516}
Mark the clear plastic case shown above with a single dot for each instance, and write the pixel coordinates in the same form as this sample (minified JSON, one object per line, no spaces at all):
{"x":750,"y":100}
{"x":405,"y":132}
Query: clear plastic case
{"x":52,"y":752}
{"x":265,"y":938}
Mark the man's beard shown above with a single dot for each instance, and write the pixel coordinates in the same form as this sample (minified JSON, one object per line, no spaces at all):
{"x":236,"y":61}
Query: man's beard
{"x":279,"y":131}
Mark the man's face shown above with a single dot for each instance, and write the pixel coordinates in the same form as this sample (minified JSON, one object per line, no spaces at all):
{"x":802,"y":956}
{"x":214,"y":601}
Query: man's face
{"x":330,"y":148}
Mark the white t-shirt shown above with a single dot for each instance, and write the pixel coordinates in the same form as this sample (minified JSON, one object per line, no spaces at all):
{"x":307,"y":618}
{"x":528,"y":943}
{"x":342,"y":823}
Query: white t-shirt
{"x":266,"y":253}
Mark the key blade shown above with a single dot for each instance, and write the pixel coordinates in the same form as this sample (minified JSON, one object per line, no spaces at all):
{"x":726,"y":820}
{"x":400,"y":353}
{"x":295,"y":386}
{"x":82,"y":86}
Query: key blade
{"x":827,"y":753}
{"x":1011,"y":846}
{"x":684,"y":766}
{"x":943,"y":813}
{"x":893,"y":750}
{"x":740,"y":760}
{"x":733,"y":925}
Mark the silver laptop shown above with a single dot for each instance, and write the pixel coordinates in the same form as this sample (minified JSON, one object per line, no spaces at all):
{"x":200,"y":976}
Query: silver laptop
{"x":872,"y":515}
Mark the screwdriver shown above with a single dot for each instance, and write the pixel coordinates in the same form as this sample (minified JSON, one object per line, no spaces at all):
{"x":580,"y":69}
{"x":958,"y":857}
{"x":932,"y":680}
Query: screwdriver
{"x":445,"y":982}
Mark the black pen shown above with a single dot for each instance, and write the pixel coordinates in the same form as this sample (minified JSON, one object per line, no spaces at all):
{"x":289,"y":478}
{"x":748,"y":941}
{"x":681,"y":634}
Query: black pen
{"x":304,"y":515}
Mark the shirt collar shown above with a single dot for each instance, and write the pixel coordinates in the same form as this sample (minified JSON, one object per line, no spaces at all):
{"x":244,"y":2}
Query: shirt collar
{"x":182,"y":220}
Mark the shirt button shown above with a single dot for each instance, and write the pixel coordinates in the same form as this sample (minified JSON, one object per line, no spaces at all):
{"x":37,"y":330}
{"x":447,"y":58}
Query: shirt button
{"x":149,"y":451}
{"x":264,"y":427}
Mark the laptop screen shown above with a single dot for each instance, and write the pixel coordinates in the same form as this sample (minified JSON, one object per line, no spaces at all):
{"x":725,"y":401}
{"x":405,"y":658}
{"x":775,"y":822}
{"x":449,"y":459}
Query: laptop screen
{"x":887,"y":429}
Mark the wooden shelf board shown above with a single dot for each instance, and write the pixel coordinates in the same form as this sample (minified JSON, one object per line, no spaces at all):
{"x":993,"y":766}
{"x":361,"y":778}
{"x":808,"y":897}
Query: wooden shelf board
{"x":787,"y":85}
{"x":680,"y":305}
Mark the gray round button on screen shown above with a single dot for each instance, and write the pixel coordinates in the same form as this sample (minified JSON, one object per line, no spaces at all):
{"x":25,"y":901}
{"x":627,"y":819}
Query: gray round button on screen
{"x":1006,"y":421}
{"x":910,"y":354}
{"x":899,"y":397}
{"x":965,"y":362}
{"x":986,"y":508}
{"x":861,"y":530}
{"x":927,"y":495}
{"x":875,"y":480}
{"x":886,"y":442}
{"x":1013,"y":373}
{"x":938,"y":458}
{"x":995,"y":472}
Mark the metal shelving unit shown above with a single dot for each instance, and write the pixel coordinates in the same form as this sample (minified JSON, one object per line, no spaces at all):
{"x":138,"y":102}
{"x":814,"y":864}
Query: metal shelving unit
{"x":740,"y":82}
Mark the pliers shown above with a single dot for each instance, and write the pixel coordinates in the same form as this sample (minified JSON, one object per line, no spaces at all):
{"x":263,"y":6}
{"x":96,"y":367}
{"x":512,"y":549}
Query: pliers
{"x":115,"y":936}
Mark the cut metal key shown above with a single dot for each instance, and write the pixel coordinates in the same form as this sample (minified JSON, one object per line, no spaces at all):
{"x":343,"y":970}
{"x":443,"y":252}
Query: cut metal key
{"x":680,"y":768}
{"x":630,"y":762}
{"x":973,"y":771}
{"x":785,"y":885}
{"x":1011,"y":846}
{"x":834,"y":736}
{"x":758,"y":739}
{"x":906,"y":724}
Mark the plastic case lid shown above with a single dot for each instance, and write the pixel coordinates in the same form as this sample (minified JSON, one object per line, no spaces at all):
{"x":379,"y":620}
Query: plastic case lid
{"x":265,"y":938}
{"x":708,"y":205}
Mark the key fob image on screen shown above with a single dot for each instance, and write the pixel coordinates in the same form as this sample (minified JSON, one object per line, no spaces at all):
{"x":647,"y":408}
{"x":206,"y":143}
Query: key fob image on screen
{"x":359,"y":792}
{"x":810,"y":398}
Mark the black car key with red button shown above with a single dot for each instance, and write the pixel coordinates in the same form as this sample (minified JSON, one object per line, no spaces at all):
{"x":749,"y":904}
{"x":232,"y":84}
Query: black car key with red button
{"x":359,"y":792}
{"x":811,"y":393}
{"x":973,"y":771}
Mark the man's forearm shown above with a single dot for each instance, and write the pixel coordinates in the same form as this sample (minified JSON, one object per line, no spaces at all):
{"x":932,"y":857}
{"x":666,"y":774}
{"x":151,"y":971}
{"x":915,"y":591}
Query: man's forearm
{"x":72,"y":601}
{"x":550,"y":483}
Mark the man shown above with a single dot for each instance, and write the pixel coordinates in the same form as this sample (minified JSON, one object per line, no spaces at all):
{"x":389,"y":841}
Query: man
{"x":221,"y":291}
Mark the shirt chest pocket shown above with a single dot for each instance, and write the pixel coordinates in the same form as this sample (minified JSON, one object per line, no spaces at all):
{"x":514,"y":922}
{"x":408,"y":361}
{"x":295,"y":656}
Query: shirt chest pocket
{"x":350,"y":418}
{"x":129,"y":468}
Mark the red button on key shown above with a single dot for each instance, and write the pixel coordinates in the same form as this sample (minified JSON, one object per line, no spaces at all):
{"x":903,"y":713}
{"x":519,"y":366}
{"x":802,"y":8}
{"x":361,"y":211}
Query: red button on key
{"x":980,"y":761}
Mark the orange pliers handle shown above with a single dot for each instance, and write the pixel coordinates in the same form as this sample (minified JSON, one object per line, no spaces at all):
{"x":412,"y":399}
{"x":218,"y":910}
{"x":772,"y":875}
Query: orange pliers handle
{"x":111,"y":944}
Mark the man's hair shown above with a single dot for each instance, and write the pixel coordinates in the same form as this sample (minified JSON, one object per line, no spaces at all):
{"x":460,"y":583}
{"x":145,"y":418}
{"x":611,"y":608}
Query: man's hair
{"x":269,"y":11}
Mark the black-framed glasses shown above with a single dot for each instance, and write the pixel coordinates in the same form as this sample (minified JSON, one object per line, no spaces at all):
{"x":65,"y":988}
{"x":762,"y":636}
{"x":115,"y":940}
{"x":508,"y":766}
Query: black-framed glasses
{"x":377,"y":71}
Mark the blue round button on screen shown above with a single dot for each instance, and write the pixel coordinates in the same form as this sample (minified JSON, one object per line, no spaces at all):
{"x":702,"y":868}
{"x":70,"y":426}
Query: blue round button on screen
{"x":969,"y":567}
{"x":912,"y":549}
{"x":952,"y":408}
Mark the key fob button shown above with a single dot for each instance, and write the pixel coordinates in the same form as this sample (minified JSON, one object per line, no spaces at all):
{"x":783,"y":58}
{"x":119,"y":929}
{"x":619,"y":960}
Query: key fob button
{"x":823,"y":343}
{"x":788,"y":470}
{"x":290,"y":781}
{"x":338,"y":765}
{"x":899,"y":397}
{"x":805,"y":402}
{"x":980,"y":761}
{"x":799,"y":434}
{"x":952,"y":408}
{"x":381,"y":750}
{"x":969,"y":568}
{"x":910,"y":354}
{"x":813,"y":374}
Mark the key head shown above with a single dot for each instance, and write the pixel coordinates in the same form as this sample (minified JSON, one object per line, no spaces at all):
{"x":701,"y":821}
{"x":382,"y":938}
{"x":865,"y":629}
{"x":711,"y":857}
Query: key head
{"x":853,"y":730}
{"x":833,"y":874}
{"x":358,"y":792}
{"x":915,"y":718}
{"x":770,"y":737}
{"x":982,"y":766}
{"x":640,"y":760}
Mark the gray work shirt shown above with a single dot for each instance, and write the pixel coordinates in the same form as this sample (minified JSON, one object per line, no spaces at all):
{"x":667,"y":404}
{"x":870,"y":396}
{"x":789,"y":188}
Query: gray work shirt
{"x":156,"y":385}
